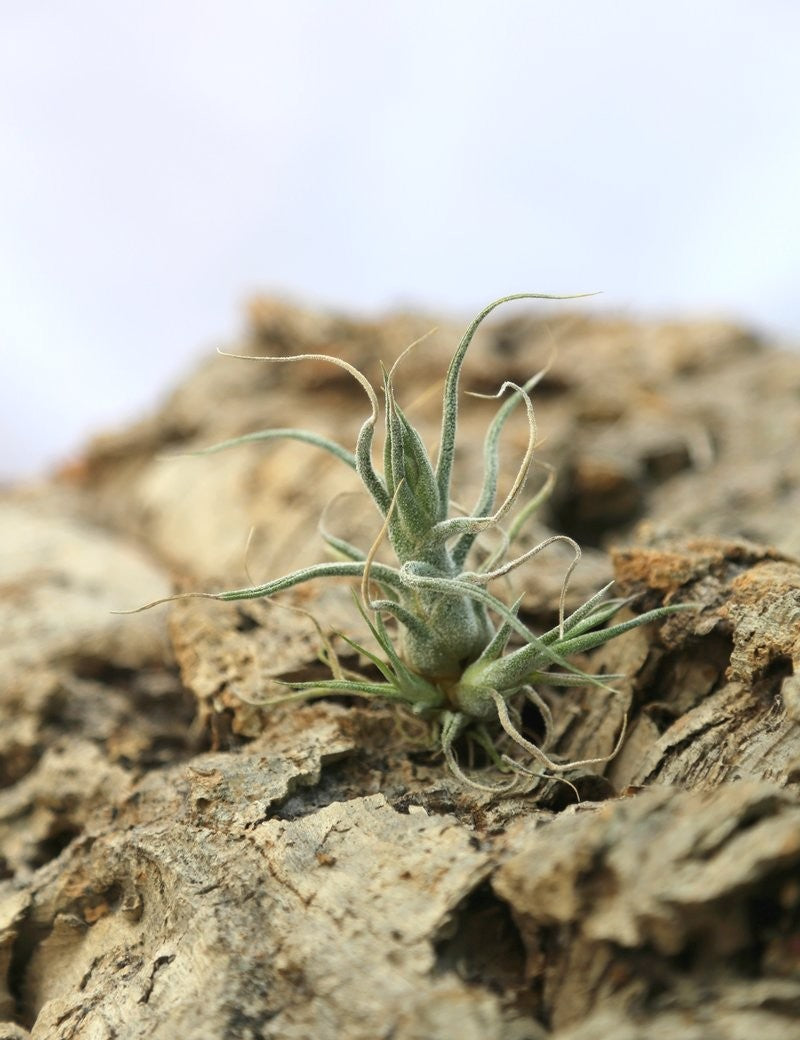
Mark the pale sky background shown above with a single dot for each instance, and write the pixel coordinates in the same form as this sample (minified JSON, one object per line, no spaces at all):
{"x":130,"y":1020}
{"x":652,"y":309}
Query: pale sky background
{"x":159,"y":161}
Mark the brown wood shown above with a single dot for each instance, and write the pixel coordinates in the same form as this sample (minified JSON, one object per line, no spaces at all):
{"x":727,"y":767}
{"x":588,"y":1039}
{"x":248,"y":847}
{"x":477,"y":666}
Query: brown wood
{"x":179,"y":861}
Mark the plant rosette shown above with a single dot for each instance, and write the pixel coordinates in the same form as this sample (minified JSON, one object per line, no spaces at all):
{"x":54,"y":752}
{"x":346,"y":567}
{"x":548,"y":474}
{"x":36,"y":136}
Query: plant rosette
{"x":451,"y":651}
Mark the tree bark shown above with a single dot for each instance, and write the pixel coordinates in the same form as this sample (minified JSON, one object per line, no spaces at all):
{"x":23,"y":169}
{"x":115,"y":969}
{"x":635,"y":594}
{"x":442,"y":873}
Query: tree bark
{"x":180,"y":861}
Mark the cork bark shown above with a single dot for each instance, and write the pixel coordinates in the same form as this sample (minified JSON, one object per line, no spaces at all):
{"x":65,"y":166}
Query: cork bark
{"x":180,"y":861}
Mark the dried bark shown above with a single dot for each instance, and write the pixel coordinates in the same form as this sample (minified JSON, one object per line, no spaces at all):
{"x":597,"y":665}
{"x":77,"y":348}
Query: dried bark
{"x":180,"y":862}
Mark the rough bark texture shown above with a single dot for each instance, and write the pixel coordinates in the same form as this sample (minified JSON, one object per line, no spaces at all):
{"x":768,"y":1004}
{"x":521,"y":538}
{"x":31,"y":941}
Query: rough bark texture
{"x":180,"y":862}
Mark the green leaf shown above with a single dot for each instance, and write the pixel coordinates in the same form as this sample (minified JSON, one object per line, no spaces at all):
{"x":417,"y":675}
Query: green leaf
{"x":285,"y":433}
{"x":447,"y":440}
{"x":580,"y":644}
{"x":383,"y":574}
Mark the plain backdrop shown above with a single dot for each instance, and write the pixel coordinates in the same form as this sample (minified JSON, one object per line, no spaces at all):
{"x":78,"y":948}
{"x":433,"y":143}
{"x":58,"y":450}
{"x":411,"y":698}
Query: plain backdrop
{"x":159,"y":161}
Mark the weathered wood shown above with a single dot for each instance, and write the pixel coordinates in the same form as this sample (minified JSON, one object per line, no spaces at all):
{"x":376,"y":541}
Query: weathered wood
{"x":664,"y":905}
{"x":179,"y":862}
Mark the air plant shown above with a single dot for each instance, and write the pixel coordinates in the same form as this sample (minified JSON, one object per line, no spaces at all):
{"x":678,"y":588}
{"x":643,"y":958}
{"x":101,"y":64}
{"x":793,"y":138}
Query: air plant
{"x":451,"y":651}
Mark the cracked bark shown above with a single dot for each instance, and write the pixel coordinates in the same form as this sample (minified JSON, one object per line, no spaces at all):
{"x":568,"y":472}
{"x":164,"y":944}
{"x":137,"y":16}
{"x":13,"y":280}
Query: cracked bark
{"x":178,"y":861}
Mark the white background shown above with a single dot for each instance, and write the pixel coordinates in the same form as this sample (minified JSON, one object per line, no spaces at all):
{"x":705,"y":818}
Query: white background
{"x":159,"y":161}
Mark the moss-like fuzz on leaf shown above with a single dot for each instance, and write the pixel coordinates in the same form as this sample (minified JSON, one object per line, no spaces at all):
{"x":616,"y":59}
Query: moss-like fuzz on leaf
{"x":444,"y":653}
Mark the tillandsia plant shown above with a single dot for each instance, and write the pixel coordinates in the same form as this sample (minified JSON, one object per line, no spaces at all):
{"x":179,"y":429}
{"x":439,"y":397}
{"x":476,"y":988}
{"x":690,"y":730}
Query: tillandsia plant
{"x":451,"y":651}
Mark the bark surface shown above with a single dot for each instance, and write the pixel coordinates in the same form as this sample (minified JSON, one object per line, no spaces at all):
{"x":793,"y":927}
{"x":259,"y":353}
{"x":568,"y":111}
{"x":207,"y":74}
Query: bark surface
{"x":179,"y":861}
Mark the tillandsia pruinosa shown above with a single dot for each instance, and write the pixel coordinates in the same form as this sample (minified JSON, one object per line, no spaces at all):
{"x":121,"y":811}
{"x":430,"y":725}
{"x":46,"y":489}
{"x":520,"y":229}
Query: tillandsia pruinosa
{"x":451,"y":651}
